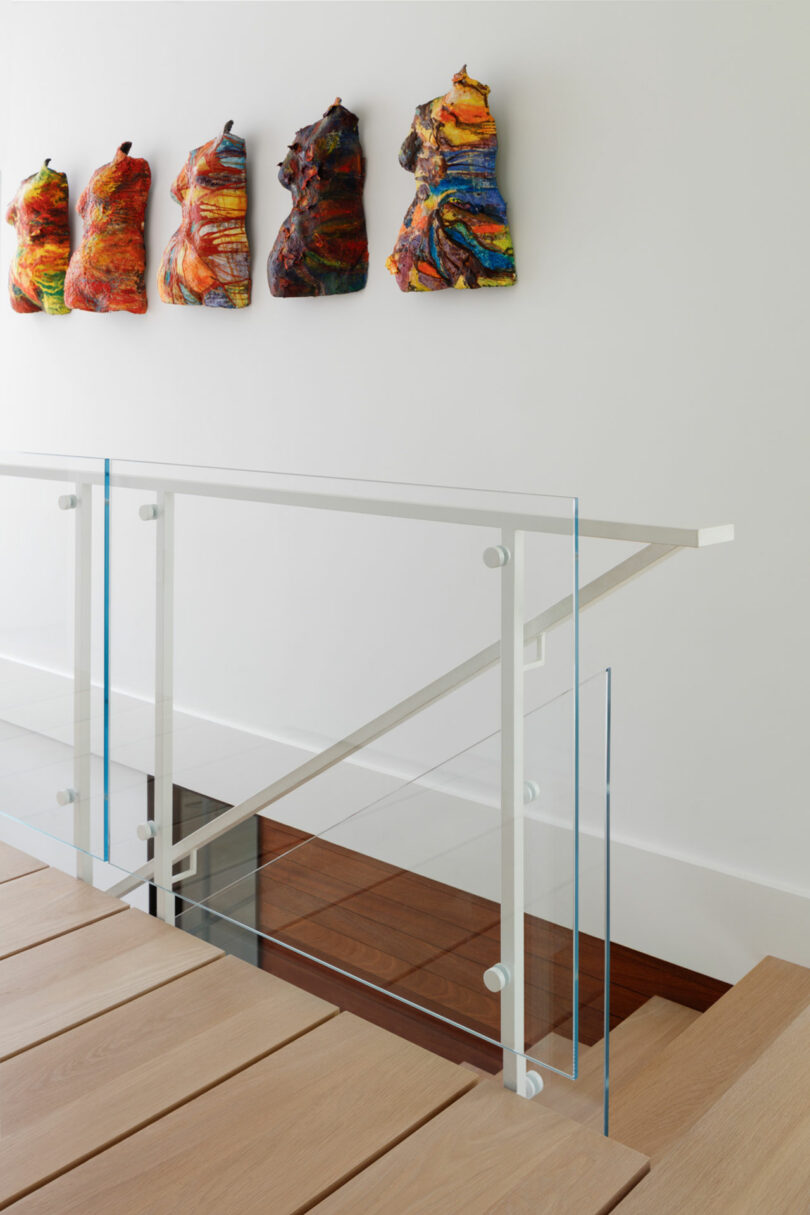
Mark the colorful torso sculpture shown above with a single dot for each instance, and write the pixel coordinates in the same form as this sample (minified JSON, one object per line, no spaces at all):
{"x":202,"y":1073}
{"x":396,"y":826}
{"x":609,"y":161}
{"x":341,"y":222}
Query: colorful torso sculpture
{"x":321,"y":248}
{"x":455,"y":233}
{"x":207,"y":261}
{"x":39,"y":212}
{"x":107,"y":271}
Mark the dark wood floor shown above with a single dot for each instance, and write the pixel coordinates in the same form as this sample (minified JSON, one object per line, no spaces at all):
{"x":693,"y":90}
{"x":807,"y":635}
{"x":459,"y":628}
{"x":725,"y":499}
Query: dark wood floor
{"x":430,"y":943}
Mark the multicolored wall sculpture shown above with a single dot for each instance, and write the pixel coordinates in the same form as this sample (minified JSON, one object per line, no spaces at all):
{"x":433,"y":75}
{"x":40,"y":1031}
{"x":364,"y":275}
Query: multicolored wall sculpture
{"x":207,"y":261}
{"x":321,"y":248}
{"x":107,"y":271}
{"x":39,"y":212}
{"x":455,"y":233}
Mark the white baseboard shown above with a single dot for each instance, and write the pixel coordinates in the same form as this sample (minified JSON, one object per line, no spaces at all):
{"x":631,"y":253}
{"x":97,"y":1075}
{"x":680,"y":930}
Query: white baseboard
{"x":688,"y":913}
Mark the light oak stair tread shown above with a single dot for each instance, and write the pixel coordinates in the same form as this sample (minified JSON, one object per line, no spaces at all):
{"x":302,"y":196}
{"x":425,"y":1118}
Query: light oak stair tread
{"x":46,"y":904}
{"x":493,"y":1152}
{"x":750,"y":1152}
{"x":276,"y":1137}
{"x":70,"y":1097}
{"x":14,"y":864}
{"x":674,"y":1090}
{"x":634,"y":1043}
{"x":51,"y":987}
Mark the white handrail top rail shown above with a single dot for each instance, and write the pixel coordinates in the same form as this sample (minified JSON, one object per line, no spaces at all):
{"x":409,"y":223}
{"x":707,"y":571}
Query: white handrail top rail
{"x":435,"y":512}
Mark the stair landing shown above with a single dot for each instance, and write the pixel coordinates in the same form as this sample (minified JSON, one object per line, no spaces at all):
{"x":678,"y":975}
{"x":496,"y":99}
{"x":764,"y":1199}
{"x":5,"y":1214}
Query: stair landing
{"x":144,"y":1073}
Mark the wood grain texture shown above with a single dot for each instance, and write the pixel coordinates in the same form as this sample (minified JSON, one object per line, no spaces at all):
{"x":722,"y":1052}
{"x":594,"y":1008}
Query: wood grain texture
{"x":493,"y":1152}
{"x":51,"y":987}
{"x":14,"y":864}
{"x":667,"y":1097}
{"x":750,"y":1153}
{"x":633,"y":1044}
{"x":276,"y":1137}
{"x":46,"y":904}
{"x":67,"y":1099}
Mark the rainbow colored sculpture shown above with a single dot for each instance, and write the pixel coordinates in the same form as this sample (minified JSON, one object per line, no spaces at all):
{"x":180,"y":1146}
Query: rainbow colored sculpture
{"x":455,"y":233}
{"x":321,"y":248}
{"x":39,"y":212}
{"x":207,"y":261}
{"x":107,"y":271}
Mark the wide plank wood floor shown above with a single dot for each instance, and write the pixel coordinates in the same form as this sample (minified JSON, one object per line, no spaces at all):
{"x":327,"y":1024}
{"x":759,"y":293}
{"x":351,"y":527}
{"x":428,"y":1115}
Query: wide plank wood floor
{"x":45,"y":904}
{"x":492,"y":1152}
{"x":48,"y":988}
{"x":14,"y":864}
{"x":68,"y":1098}
{"x":275,"y":1137}
{"x":143,"y":1073}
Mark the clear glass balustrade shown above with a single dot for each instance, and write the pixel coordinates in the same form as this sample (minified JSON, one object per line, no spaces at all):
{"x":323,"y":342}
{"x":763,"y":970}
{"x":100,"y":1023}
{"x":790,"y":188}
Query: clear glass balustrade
{"x":279,"y":667}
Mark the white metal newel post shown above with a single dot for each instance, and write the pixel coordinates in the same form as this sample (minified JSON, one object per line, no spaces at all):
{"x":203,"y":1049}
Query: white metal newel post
{"x":82,"y":637}
{"x":512,"y":885}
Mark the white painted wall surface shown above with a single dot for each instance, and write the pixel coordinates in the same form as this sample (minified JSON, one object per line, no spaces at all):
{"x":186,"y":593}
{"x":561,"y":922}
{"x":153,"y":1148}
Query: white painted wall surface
{"x":650,"y":359}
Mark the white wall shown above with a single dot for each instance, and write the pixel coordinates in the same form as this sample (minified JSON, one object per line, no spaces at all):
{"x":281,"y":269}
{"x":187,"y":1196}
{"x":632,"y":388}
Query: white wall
{"x":654,"y":160}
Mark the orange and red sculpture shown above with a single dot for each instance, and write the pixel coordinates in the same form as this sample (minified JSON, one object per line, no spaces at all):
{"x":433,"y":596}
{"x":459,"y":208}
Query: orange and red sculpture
{"x":321,"y":248}
{"x":39,"y":212}
{"x":107,"y":273}
{"x":455,"y":233}
{"x":207,"y":261}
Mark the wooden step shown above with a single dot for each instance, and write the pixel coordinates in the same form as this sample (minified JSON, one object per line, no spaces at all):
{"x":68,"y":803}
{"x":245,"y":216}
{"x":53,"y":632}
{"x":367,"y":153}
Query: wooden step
{"x":493,"y":1152}
{"x":49,"y":988}
{"x":69,"y":1098}
{"x":46,"y":904}
{"x":276,"y":1137}
{"x":654,"y":1109}
{"x":750,"y":1152}
{"x":14,"y":864}
{"x":632,"y":1045}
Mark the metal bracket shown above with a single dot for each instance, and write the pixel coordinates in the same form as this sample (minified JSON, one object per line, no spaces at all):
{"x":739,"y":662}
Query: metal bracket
{"x":539,"y":659}
{"x":496,"y":556}
{"x":191,"y":871}
{"x":497,"y":977}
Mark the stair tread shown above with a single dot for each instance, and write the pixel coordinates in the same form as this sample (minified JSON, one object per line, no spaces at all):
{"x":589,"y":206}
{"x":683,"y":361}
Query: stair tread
{"x":668,"y":1096}
{"x":493,"y":1152}
{"x":70,"y":1097}
{"x":45,"y":904}
{"x":51,"y":987}
{"x":14,"y":864}
{"x":277,"y":1136}
{"x":632,"y":1044}
{"x":750,"y":1152}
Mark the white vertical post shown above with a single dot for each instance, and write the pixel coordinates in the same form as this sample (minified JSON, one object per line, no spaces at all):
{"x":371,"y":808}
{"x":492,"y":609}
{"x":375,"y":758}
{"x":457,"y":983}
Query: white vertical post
{"x":82,"y":635}
{"x":164,"y":704}
{"x":512,"y":882}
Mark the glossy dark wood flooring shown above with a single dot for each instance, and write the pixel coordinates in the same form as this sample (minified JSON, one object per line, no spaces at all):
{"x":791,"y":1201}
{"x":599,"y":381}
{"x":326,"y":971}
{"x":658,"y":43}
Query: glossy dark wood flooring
{"x":429,"y":944}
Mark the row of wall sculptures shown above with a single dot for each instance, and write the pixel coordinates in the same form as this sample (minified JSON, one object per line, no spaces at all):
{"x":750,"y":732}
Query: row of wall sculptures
{"x":455,"y":233}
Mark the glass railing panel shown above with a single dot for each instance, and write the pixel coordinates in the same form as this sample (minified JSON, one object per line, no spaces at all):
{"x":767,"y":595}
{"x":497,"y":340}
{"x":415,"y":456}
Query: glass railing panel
{"x":404,"y":896}
{"x":567,"y":905}
{"x":52,"y":631}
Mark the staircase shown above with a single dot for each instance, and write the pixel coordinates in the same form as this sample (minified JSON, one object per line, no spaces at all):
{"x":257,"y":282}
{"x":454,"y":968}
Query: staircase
{"x":143,"y":1072}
